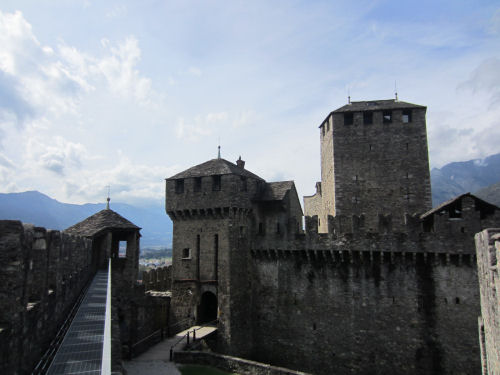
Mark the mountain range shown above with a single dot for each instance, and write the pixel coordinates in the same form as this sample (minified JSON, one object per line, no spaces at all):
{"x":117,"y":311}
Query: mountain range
{"x":474,"y":176}
{"x":39,"y":209}
{"x":480,"y":176}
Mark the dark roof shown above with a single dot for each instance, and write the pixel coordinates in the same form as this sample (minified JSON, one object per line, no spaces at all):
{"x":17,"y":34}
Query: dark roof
{"x":104,"y":219}
{"x":376,"y":105}
{"x":275,"y":191}
{"x":453,"y":200}
{"x":214,"y":167}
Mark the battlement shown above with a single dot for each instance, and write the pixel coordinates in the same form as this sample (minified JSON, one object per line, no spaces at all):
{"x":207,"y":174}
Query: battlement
{"x":158,"y":279}
{"x":42,"y":272}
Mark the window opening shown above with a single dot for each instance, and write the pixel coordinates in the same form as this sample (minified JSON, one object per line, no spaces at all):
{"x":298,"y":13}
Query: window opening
{"x":216,"y":183}
{"x":261,"y":228}
{"x":367,"y":118}
{"x":406,"y":116}
{"x":122,"y":249}
{"x":186,"y":253}
{"x":348,"y":118}
{"x":278,"y":229}
{"x":387,"y":117}
{"x":179,"y":186}
{"x":197,"y":184}
{"x":243,"y":183}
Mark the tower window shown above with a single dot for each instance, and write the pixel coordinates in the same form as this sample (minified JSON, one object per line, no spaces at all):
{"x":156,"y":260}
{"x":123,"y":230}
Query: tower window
{"x":216,"y":183}
{"x":278,"y":229}
{"x":406,"y":118}
{"x":243,"y":183}
{"x":367,"y":118}
{"x":197,"y":184}
{"x":387,"y":117}
{"x":348,"y":118}
{"x":186,"y":253}
{"x":179,"y":186}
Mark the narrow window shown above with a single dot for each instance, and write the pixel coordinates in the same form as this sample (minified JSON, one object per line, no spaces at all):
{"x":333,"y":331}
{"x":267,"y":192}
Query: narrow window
{"x":278,"y":229}
{"x":406,"y":118}
{"x":407,"y":147}
{"x":348,"y":118}
{"x":216,"y":258}
{"x":367,"y":118}
{"x":179,"y":186}
{"x":243,"y":183}
{"x":122,"y":249}
{"x":197,"y":184}
{"x":186,"y":253}
{"x":216,"y":183}
{"x":198,"y":250}
{"x":371,"y":147}
{"x":387,"y":116}
{"x":261,"y":228}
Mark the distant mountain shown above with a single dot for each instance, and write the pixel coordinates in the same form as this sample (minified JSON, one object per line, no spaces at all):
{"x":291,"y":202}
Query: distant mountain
{"x":39,"y":209}
{"x":490,"y":194}
{"x":462,"y":177}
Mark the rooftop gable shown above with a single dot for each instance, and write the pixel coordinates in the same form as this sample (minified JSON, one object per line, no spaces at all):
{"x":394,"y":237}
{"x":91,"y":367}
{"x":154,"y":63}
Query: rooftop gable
{"x":376,"y":105}
{"x":102,"y":220}
{"x":214,"y":167}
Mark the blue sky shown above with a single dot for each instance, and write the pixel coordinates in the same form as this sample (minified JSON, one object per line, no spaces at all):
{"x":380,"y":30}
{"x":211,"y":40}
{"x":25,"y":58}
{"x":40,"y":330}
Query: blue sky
{"x":122,"y":93}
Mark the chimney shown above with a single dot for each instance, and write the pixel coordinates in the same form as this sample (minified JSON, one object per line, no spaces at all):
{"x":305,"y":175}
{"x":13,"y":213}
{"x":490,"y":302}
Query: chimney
{"x":240,"y":163}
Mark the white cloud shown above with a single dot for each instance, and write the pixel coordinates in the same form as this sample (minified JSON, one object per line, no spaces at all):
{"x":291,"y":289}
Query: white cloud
{"x":61,"y":156}
{"x":195,"y":71}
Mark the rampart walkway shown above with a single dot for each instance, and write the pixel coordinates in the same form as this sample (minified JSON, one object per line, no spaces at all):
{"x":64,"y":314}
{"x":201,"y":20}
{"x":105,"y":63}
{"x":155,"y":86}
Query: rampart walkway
{"x":83,"y":350}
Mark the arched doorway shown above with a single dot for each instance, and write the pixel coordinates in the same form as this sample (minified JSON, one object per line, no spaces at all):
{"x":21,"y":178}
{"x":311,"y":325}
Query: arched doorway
{"x":207,"y":310}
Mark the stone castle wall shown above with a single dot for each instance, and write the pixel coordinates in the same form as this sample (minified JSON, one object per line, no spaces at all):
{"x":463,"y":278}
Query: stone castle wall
{"x":42,"y":272}
{"x":345,"y":312}
{"x":488,"y":253}
{"x":159,"y":278}
{"x":384,"y":302}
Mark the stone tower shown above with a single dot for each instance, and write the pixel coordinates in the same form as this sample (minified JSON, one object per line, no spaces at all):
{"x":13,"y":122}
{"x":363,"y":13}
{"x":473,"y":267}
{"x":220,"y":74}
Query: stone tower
{"x":210,"y":205}
{"x":374,"y":165}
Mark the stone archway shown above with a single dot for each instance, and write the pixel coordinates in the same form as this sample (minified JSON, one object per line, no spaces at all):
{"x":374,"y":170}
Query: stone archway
{"x":207,"y":310}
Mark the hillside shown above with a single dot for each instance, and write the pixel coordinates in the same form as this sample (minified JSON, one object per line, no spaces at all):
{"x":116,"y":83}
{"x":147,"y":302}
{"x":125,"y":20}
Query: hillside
{"x":462,"y":177}
{"x":39,"y":209}
{"x":490,"y":193}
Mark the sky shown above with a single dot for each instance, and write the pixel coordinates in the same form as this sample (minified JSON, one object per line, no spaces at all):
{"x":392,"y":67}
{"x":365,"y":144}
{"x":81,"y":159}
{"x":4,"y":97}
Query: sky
{"x":127,"y":93}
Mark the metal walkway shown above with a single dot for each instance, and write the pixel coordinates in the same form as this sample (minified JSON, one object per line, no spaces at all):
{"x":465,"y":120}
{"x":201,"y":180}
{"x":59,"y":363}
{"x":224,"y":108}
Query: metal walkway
{"x":86,"y":347}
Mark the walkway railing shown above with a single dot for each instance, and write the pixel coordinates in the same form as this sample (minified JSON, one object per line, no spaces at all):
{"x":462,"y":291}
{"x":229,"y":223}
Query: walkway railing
{"x":187,"y":335}
{"x":155,"y":337}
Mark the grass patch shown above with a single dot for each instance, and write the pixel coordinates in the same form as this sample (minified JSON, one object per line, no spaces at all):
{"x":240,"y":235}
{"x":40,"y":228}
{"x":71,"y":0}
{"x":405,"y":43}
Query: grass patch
{"x":202,"y":370}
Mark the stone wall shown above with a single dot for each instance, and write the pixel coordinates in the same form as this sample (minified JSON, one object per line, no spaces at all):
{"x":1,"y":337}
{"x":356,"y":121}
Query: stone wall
{"x":42,"y":274}
{"x":232,"y":364}
{"x":366,"y":313}
{"x":382,"y":302}
{"x":488,"y":253}
{"x":159,"y":278}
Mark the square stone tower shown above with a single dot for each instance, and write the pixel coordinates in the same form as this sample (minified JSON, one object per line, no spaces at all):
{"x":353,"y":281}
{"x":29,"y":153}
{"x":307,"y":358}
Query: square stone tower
{"x":374,"y":164}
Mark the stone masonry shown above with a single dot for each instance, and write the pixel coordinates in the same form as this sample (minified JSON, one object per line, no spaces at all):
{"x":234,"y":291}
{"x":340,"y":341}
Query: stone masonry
{"x":488,"y":253}
{"x":373,"y":162}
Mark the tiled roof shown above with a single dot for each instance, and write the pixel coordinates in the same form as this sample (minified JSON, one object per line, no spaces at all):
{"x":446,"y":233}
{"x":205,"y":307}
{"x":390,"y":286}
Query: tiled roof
{"x":376,"y":105}
{"x":104,"y":219}
{"x":275,"y":191}
{"x":214,"y":167}
{"x":448,"y":202}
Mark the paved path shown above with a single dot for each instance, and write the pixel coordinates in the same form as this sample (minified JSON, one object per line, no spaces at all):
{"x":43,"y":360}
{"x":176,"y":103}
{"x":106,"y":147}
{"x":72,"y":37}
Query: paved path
{"x":156,"y":360}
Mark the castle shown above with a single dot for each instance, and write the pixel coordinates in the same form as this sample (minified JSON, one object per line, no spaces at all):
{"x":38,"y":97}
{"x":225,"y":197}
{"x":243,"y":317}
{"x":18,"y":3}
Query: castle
{"x":377,"y":283}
